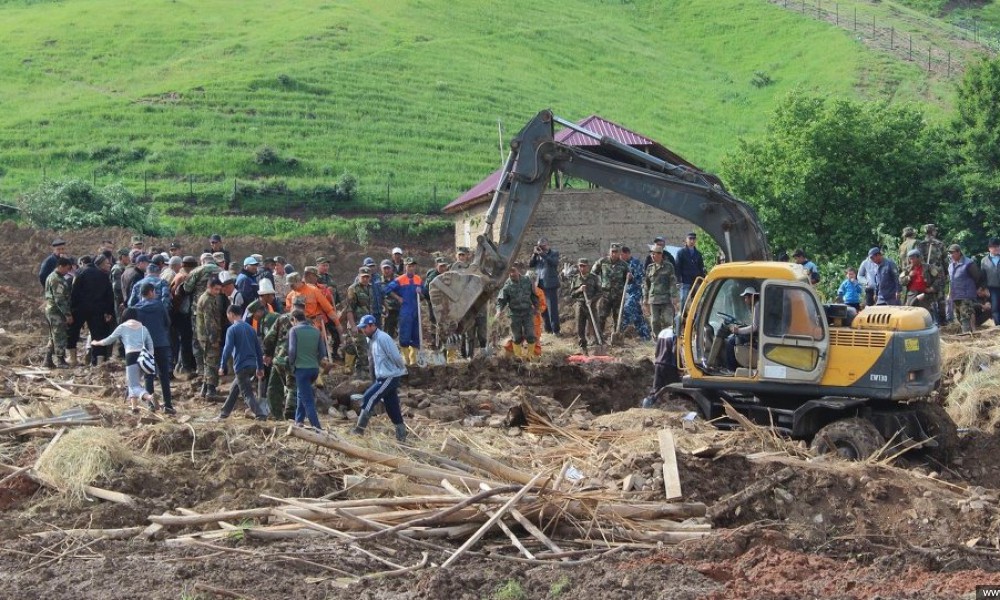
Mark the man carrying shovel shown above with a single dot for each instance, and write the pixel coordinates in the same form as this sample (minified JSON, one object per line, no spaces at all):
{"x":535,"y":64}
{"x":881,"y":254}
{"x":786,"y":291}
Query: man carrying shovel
{"x":586,"y":291}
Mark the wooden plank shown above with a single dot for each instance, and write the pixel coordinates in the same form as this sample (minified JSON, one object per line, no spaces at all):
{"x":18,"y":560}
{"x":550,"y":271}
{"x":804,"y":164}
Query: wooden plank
{"x":671,"y":477}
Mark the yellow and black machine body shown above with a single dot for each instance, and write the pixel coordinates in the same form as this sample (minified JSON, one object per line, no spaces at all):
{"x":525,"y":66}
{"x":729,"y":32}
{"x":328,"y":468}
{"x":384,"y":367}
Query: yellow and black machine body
{"x":847,"y":382}
{"x":807,"y":366}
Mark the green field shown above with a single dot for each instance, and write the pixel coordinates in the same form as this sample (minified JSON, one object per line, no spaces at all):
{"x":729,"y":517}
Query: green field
{"x":405,"y":94}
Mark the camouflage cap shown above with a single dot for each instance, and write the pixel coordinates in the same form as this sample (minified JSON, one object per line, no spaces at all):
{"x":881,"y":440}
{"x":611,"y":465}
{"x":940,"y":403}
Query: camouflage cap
{"x":218,"y":256}
{"x":123,"y":252}
{"x":364,"y":271}
{"x":440,"y":260}
{"x":386,"y":263}
{"x":655,"y":249}
{"x":583,"y":261}
{"x":930,"y":227}
{"x":256,"y":305}
{"x":463,"y":250}
{"x":58,"y":242}
{"x":175,"y":245}
{"x":137,"y":239}
{"x":409,"y":261}
{"x":616,"y":246}
{"x":914,"y":254}
{"x":322,"y":260}
{"x":293,"y":278}
{"x":205,"y":256}
{"x":909,"y":232}
{"x":518,"y":264}
{"x":311,"y":270}
{"x":189,"y":260}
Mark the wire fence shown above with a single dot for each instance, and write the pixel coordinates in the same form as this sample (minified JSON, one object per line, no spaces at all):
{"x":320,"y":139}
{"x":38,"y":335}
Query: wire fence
{"x":235,"y":195}
{"x":957,"y":43}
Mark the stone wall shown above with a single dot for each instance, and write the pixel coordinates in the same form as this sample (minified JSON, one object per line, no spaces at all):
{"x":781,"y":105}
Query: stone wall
{"x":583,"y":223}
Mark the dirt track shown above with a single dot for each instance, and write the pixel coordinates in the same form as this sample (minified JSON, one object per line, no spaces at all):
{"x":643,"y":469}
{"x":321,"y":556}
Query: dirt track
{"x":913,"y":529}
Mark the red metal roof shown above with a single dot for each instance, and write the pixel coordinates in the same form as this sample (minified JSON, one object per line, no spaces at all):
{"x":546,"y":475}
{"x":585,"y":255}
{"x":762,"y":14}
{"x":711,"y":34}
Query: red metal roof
{"x":485,"y":188}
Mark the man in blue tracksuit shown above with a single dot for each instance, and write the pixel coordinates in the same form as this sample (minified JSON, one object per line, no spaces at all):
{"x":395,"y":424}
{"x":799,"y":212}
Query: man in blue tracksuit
{"x":388,"y":365}
{"x":248,"y":361}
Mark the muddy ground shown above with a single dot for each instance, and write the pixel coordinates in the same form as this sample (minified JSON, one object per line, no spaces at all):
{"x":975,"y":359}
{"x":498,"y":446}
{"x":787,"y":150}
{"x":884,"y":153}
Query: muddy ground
{"x":912,"y":528}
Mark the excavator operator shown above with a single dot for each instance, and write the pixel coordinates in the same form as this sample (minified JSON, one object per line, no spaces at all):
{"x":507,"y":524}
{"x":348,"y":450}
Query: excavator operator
{"x":745,"y":335}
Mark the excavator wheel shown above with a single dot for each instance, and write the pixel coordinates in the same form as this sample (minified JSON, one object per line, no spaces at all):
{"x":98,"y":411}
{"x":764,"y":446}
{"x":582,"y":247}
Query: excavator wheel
{"x":853,"y":439}
{"x":936,"y":422}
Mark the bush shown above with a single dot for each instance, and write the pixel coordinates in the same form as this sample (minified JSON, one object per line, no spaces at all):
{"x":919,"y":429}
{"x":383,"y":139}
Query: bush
{"x":761,"y":79}
{"x":266,"y":156}
{"x":74,"y":204}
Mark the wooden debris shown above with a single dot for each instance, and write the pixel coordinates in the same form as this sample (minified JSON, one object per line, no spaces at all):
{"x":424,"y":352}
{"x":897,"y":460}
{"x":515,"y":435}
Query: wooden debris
{"x":721,"y":508}
{"x":671,"y":477}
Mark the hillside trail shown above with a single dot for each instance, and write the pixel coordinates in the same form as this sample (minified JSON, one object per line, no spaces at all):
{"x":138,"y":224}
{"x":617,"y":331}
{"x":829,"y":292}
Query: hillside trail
{"x":910,"y":529}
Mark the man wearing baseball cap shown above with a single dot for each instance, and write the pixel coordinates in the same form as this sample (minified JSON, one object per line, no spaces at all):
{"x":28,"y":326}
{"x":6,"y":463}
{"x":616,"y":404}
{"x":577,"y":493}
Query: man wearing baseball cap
{"x":388,"y":366}
{"x":215,"y":245}
{"x":49,"y":264}
{"x":359,"y":303}
{"x":886,"y":276}
{"x":389,"y":305}
{"x":246,"y":283}
{"x":397,"y":261}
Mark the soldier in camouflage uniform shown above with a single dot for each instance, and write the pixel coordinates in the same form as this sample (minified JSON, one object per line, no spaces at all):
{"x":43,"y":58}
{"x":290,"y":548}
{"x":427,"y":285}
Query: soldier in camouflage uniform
{"x":57,"y":312}
{"x":208,"y":331}
{"x":281,"y":390}
{"x":360,"y":302}
{"x":116,"y":280}
{"x":933,"y":251}
{"x":390,"y":305}
{"x":964,"y":276}
{"x":585,"y":289}
{"x":658,"y":290}
{"x":518,"y":296}
{"x":195,"y":286}
{"x":920,"y":283}
{"x":325,"y":279}
{"x":476,"y":335}
{"x":612,"y":272}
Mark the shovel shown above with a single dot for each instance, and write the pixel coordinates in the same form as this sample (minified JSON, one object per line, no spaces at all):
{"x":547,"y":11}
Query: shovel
{"x":599,"y":349}
{"x":421,"y":353}
{"x":616,"y":335}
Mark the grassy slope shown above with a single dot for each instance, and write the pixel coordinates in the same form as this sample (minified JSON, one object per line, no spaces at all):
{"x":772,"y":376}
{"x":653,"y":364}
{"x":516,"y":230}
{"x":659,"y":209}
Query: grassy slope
{"x":405,"y":89}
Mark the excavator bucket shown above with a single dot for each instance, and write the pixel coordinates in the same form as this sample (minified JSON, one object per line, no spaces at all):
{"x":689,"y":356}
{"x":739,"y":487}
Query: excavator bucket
{"x":453,"y":295}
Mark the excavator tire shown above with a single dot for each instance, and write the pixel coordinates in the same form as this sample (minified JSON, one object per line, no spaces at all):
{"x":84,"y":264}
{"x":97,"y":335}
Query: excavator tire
{"x":936,"y":422}
{"x":853,"y":439}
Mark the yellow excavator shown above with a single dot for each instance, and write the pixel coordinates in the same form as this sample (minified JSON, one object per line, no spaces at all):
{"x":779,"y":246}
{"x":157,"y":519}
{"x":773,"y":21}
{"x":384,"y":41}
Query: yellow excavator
{"x":848,"y":382}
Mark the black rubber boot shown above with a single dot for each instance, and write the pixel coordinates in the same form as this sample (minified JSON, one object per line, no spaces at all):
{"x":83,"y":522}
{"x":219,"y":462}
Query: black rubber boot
{"x":401,"y":432}
{"x":48,"y":360}
{"x":359,"y":429}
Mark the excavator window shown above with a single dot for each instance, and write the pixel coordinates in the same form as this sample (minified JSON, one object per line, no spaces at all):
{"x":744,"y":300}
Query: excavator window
{"x":792,"y":312}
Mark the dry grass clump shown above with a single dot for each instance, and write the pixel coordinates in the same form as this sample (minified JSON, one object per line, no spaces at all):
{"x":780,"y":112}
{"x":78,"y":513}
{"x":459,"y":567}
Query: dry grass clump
{"x":971,"y":371}
{"x":83,"y":456}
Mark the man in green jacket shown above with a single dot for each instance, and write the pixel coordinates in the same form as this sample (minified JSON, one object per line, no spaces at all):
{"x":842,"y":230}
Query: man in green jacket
{"x":518,"y":297}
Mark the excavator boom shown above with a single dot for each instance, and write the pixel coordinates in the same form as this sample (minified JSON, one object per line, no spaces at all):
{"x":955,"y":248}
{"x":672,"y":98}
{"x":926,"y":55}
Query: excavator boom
{"x":535,"y":156}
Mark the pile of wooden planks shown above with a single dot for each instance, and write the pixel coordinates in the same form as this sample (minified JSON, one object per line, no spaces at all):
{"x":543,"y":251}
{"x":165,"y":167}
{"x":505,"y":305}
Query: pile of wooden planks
{"x":460,"y":495}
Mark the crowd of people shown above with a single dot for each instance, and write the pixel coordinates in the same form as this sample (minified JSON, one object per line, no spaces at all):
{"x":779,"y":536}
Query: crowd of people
{"x":278,"y":329}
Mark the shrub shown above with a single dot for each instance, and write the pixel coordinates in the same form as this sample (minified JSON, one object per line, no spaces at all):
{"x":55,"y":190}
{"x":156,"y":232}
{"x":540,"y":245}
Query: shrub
{"x":761,"y":79}
{"x":266,"y":156}
{"x":74,"y":204}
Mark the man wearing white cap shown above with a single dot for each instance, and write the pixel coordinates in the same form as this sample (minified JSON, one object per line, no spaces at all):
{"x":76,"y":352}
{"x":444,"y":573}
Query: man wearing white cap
{"x":397,"y":261}
{"x":747,"y":334}
{"x":246,"y":282}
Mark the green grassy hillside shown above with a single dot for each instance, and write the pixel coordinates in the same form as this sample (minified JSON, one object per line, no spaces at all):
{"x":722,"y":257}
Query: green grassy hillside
{"x":403,"y":92}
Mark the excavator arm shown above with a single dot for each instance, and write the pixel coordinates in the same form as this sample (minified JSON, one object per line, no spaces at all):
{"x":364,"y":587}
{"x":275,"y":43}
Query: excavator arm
{"x":535,"y":155}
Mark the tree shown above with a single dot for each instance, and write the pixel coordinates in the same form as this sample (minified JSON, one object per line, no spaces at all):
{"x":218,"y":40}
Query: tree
{"x":976,"y":130}
{"x":74,"y":204}
{"x":828,"y":174}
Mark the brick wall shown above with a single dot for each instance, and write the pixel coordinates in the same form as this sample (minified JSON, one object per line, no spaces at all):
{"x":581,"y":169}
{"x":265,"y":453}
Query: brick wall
{"x":583,"y":223}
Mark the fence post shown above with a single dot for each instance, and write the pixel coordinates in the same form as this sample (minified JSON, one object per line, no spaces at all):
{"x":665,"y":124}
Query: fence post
{"x":949,"y":63}
{"x":855,"y":18}
{"x":892,"y":37}
{"x":95,"y":177}
{"x":44,"y":174}
{"x":191,"y":185}
{"x":836,"y":11}
{"x":145,"y":184}
{"x":929,"y":58}
{"x":818,"y":2}
{"x":873,"y":25}
{"x":435,"y":196}
{"x":234,"y":187}
{"x":803,"y":6}
{"x":911,"y":47}
{"x":388,"y":201}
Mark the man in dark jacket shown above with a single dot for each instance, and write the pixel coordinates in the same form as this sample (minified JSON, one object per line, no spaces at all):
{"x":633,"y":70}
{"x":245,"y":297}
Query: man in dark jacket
{"x":964,"y":276}
{"x":153,"y":315}
{"x":92,"y":303}
{"x":545,"y":262}
{"x":664,"y":366}
{"x":49,"y":264}
{"x":690,"y":266}
{"x":132,"y":275}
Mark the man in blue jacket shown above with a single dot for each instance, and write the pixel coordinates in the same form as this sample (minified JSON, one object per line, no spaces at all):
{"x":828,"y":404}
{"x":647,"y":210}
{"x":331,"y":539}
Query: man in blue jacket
{"x":388,"y":366}
{"x":248,"y":361}
{"x":161,"y":287}
{"x":153,"y":315}
{"x":246,"y":283}
{"x":690,"y":266}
